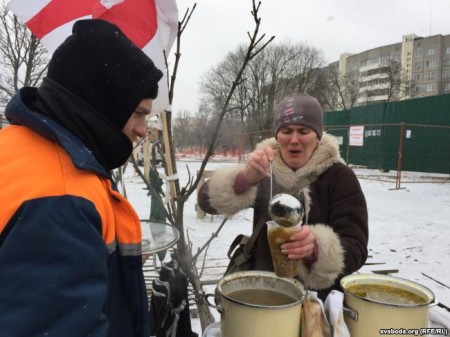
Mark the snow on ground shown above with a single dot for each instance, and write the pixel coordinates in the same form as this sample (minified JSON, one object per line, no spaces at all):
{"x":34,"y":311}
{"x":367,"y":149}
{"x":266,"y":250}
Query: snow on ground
{"x":409,"y":227}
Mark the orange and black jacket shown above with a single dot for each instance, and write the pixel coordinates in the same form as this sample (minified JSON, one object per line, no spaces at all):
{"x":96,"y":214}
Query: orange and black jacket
{"x":70,"y":261}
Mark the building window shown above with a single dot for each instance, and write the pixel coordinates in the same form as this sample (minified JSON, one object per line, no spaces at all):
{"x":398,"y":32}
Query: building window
{"x":417,"y":65}
{"x":430,"y":63}
{"x":446,"y":74}
{"x":446,"y":63}
{"x":417,"y":77}
{"x":418,"y":53}
{"x":447,"y":50}
{"x":429,"y":87}
{"x":429,"y":75}
{"x":432,"y":51}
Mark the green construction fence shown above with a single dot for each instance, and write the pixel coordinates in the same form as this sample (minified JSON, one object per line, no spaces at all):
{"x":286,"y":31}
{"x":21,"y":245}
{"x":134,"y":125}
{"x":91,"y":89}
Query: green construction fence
{"x":410,"y":135}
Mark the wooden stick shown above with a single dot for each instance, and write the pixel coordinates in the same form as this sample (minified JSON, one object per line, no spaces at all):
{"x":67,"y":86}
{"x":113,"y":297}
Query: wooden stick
{"x":443,"y":306}
{"x":146,"y":147}
{"x":431,"y":278}
{"x":167,"y":153}
{"x":385,"y":271}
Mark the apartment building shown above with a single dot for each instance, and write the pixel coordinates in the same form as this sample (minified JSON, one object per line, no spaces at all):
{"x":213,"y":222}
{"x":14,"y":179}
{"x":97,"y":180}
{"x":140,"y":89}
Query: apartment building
{"x":430,"y":72}
{"x":415,"y":67}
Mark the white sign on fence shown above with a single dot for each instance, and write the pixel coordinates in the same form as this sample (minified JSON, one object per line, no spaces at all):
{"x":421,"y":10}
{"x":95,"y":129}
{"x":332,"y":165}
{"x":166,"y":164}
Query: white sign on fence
{"x":356,"y":136}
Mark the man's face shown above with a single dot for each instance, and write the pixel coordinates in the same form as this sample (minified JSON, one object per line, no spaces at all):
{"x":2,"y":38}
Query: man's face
{"x":136,"y":125}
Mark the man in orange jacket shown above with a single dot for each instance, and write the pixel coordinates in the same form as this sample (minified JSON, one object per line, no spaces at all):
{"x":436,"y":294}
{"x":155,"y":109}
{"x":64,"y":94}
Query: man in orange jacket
{"x":70,"y":257}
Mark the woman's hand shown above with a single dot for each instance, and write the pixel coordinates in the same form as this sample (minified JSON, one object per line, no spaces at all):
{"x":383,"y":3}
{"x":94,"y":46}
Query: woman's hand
{"x":300,"y":245}
{"x":257,"y":166}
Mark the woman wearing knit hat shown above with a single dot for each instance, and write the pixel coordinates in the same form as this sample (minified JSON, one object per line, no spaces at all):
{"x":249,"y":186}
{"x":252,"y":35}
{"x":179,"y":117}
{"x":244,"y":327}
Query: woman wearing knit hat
{"x":69,"y":242}
{"x":305,"y":163}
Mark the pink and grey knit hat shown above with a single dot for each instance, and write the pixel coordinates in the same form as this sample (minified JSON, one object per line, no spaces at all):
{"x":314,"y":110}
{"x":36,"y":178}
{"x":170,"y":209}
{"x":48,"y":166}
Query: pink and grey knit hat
{"x":299,"y":109}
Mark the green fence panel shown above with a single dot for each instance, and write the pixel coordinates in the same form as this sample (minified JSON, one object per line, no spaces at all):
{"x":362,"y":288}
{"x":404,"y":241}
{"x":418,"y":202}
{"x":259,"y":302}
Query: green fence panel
{"x":423,"y":141}
{"x":434,"y":110}
{"x":336,"y":123}
{"x":341,"y":133}
{"x":334,"y":118}
{"x":370,"y":154}
{"x":425,"y":149}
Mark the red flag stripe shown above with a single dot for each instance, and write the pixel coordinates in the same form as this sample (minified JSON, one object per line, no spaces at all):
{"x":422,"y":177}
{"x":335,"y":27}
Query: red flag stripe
{"x":57,"y":13}
{"x":137,"y":19}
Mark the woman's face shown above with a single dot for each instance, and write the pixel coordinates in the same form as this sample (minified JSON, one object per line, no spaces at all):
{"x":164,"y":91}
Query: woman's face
{"x":297,"y":145}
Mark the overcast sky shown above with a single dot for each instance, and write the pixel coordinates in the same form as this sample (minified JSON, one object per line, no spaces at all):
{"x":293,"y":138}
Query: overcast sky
{"x":333,"y":26}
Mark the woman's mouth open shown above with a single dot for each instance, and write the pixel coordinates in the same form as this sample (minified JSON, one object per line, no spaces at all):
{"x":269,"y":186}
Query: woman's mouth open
{"x":295,"y":153}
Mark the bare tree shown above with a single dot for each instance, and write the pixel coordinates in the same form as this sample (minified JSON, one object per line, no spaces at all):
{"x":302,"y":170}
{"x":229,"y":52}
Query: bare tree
{"x":175,"y":208}
{"x":196,"y":131}
{"x":389,"y":83}
{"x":396,"y":80}
{"x":23,"y":60}
{"x":444,"y":84}
{"x":278,"y":70}
{"x":182,"y":129}
{"x":340,"y":91}
{"x":303,"y":65}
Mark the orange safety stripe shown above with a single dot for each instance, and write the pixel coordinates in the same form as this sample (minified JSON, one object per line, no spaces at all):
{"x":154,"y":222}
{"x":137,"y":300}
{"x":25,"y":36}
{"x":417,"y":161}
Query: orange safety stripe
{"x":34,"y":167}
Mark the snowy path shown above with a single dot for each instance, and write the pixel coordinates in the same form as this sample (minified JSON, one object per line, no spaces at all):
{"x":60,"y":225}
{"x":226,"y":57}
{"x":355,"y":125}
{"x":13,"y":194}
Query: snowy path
{"x":409,"y":228}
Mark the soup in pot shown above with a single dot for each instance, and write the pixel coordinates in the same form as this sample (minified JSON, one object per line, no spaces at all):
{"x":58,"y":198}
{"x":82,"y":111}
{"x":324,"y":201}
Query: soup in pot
{"x":386,"y":294}
{"x":261,"y":297}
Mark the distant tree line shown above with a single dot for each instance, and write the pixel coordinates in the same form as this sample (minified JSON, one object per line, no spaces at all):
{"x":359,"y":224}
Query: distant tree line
{"x":281,"y":68}
{"x":23,"y":59}
{"x":278,"y":70}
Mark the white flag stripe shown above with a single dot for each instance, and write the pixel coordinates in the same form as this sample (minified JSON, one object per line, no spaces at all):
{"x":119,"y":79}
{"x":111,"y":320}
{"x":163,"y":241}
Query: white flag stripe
{"x":109,"y":3}
{"x":26,"y":9}
{"x":167,"y":13}
{"x":153,"y":50}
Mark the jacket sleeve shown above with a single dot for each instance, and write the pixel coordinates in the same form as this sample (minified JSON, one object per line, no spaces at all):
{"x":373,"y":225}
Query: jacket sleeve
{"x":53,"y":279}
{"x":342,"y":241}
{"x":217,"y":195}
{"x":325,"y":270}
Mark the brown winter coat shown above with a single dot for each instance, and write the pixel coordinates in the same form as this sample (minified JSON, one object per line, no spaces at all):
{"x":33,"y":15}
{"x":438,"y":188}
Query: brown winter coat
{"x":335,"y":207}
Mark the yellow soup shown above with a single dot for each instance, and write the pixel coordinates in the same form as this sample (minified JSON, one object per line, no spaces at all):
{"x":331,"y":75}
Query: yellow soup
{"x":261,"y":297}
{"x":386,"y":294}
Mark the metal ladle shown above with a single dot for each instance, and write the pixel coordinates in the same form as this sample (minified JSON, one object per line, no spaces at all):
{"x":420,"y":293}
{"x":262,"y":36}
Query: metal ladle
{"x":285,"y":210}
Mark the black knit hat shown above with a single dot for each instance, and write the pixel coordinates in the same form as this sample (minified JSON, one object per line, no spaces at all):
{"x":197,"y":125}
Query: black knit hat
{"x":299,"y":109}
{"x":100,"y":65}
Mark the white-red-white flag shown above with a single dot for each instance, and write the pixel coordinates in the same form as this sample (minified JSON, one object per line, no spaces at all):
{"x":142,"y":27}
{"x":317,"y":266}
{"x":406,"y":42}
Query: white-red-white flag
{"x":151,"y":24}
